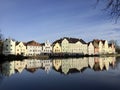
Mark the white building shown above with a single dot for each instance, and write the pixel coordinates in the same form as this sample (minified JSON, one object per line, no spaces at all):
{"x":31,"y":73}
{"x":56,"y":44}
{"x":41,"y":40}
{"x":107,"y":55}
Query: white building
{"x":46,"y":47}
{"x":9,"y":47}
{"x":33,"y":48}
{"x":90,"y":48}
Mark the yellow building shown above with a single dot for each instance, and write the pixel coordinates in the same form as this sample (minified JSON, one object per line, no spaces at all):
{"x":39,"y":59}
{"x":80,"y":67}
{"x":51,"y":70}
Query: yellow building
{"x":56,"y":48}
{"x":20,"y":49}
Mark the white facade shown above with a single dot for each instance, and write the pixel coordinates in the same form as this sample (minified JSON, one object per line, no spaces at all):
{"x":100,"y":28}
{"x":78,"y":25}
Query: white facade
{"x":46,"y":47}
{"x":9,"y":47}
{"x":33,"y":48}
{"x":90,"y":49}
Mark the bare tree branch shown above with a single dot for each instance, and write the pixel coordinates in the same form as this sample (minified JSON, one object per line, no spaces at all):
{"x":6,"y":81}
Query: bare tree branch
{"x":113,"y":6}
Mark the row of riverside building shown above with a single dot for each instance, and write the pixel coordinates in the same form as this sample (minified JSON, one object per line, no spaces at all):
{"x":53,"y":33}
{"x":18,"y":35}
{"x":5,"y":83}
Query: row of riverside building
{"x":62,"y":45}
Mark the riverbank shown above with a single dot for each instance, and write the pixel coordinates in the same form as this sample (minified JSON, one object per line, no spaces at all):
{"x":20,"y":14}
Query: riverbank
{"x":52,"y":56}
{"x":110,"y":55}
{"x":69,"y":55}
{"x":20,"y":57}
{"x":12,"y":57}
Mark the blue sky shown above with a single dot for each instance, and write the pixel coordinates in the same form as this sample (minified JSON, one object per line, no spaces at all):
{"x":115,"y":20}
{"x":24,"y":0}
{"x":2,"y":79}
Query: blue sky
{"x":42,"y":20}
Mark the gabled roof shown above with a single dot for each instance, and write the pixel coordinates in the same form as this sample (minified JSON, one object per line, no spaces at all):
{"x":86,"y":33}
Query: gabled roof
{"x":42,"y":44}
{"x":17,"y":43}
{"x":89,"y":43}
{"x":96,"y":43}
{"x":70,"y":40}
{"x":33,"y":43}
{"x":25,"y":43}
{"x":110,"y":45}
{"x":103,"y":41}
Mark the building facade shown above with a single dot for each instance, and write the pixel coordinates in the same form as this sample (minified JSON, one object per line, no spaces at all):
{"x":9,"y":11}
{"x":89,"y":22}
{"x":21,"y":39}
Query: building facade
{"x":9,"y":46}
{"x":90,"y":48}
{"x":103,"y":47}
{"x":20,"y":49}
{"x":70,"y":45}
{"x":46,"y":47}
{"x":33,"y":48}
{"x":57,"y":48}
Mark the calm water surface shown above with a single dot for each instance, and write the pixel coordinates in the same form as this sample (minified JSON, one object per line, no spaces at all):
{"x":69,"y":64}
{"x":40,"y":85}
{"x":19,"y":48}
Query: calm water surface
{"x":100,"y":73}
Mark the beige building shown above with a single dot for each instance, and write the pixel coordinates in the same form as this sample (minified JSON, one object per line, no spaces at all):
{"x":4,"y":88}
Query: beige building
{"x":70,"y":45}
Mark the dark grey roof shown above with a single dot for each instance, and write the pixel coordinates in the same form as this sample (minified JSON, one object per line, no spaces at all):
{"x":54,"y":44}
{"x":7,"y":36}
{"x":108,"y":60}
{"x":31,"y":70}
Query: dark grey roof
{"x":70,"y":40}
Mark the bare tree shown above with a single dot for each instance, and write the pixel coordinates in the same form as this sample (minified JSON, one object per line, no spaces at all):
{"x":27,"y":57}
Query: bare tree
{"x":1,"y":36}
{"x":113,"y":6}
{"x":1,"y":42}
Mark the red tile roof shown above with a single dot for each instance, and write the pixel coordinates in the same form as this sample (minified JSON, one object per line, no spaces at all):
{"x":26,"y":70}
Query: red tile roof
{"x":33,"y":43}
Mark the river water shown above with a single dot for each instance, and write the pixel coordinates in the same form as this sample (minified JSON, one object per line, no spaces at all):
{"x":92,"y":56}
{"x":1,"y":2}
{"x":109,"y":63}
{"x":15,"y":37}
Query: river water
{"x":100,"y":73}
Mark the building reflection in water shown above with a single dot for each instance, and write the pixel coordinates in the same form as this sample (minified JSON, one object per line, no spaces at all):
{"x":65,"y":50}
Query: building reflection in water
{"x":64,"y":66}
{"x":33,"y":64}
{"x":20,"y":65}
{"x":8,"y":68}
